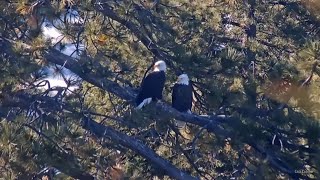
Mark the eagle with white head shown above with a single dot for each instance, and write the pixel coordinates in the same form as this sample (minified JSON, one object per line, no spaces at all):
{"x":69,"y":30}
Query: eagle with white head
{"x":182,"y":94}
{"x":152,"y":86}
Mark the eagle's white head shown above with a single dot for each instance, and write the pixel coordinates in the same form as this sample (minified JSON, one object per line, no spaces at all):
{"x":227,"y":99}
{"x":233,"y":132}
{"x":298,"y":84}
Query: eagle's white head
{"x":183,"y":79}
{"x":160,"y":66}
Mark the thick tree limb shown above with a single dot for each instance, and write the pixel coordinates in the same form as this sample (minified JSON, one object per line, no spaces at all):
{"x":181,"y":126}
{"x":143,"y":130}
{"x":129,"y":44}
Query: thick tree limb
{"x":23,"y":100}
{"x":212,"y":123}
{"x":54,"y":56}
{"x":104,"y":131}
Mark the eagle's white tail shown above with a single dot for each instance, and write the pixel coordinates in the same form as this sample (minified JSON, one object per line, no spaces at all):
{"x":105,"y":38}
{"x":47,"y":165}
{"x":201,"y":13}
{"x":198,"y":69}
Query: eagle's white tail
{"x":144,"y":102}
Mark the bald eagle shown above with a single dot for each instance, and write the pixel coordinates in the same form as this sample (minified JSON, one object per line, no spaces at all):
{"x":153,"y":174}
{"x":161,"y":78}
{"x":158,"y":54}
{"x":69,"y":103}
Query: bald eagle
{"x":152,"y":85}
{"x":182,"y":94}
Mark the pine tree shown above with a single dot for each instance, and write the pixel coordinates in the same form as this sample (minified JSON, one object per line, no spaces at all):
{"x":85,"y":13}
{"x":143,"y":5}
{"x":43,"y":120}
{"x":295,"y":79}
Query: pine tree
{"x":255,"y":62}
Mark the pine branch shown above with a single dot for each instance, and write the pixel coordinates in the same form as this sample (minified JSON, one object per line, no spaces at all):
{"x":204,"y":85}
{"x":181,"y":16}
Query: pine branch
{"x":104,"y":131}
{"x":54,"y":56}
{"x":213,"y":123}
{"x":185,"y":153}
{"x":296,"y":6}
{"x":104,"y":7}
{"x":101,"y":131}
{"x":277,"y":163}
{"x":302,"y":85}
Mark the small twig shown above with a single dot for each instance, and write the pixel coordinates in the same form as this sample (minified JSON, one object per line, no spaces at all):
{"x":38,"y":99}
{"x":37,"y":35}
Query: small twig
{"x":200,"y":173}
{"x":46,"y":137}
{"x":113,"y":105}
{"x":197,"y":136}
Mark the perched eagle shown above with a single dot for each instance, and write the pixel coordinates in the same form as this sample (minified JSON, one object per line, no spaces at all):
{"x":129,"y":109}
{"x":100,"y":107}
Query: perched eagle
{"x":182,"y":94}
{"x":152,"y":85}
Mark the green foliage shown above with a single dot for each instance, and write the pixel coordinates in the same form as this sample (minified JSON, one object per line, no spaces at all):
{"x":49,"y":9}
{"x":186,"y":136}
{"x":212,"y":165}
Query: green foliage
{"x":256,"y":61}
